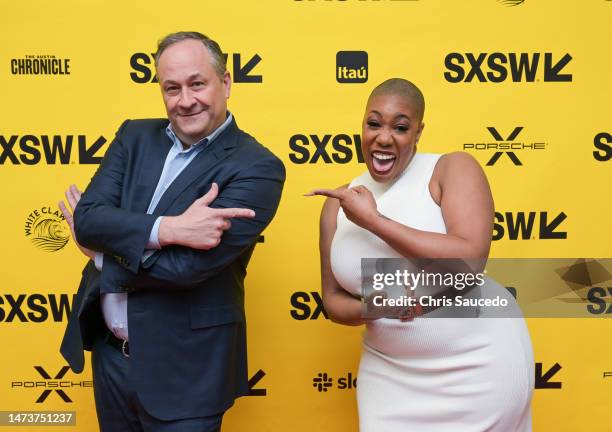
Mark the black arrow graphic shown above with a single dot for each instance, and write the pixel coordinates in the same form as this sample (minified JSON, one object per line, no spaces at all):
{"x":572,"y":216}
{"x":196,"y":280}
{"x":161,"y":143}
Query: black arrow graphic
{"x":86,"y":155}
{"x":547,"y":230}
{"x":543,"y":381}
{"x":253,"y":381}
{"x":241,"y":73}
{"x":551,"y":73}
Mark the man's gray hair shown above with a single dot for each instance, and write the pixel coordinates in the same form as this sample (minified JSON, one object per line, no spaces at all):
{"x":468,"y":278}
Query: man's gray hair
{"x":218,"y":60}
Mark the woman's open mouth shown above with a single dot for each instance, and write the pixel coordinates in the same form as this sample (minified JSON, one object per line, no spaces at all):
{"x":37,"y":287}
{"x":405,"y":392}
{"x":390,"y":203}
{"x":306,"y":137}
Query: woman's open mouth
{"x":382,"y":162}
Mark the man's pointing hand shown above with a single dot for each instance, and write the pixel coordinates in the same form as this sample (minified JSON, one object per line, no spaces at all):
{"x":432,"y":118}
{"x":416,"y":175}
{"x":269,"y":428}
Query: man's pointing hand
{"x":200,"y":226}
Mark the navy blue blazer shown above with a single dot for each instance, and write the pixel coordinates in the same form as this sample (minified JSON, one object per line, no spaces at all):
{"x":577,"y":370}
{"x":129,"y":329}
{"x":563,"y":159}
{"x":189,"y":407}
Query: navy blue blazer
{"x":186,"y":306}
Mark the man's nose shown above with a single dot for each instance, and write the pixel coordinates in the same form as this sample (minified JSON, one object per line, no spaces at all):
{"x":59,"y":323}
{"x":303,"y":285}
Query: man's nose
{"x":186,"y":99}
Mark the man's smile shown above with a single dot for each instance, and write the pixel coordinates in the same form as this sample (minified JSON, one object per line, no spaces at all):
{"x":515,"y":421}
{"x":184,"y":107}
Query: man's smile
{"x":190,"y":114}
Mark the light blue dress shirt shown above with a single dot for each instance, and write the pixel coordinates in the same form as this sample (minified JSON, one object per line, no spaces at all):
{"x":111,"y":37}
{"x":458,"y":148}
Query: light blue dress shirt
{"x":114,"y":305}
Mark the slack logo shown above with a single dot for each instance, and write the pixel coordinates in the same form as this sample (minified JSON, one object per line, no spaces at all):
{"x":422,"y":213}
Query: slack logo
{"x":351,"y":66}
{"x":323,"y":382}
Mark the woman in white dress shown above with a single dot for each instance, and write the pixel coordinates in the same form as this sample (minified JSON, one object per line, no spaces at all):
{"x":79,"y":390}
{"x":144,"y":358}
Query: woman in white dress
{"x":423,"y":374}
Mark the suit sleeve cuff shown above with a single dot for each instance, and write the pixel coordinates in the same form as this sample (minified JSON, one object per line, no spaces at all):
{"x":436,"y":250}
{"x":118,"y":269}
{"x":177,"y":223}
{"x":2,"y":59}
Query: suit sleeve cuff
{"x":153,"y":242}
{"x":99,"y":260}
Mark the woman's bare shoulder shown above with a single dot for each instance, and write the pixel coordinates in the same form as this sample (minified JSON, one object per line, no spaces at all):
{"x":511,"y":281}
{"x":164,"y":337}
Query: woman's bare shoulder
{"x":456,"y":164}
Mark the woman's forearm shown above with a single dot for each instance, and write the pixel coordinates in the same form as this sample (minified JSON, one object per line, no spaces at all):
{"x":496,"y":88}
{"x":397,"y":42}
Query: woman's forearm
{"x":414,"y":243}
{"x":342,"y":308}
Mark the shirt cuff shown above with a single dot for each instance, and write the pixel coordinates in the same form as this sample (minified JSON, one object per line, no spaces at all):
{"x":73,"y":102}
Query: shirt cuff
{"x":153,"y":242}
{"x":99,"y":260}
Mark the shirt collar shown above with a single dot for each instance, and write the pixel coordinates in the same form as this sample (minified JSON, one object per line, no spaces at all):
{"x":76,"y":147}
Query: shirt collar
{"x":204,"y":141}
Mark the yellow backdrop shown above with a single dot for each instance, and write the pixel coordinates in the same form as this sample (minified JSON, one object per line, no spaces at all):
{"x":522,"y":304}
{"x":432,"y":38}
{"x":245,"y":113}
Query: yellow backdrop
{"x":534,"y":76}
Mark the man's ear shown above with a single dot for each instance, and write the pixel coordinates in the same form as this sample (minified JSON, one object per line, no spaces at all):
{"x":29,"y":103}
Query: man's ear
{"x":227,"y":84}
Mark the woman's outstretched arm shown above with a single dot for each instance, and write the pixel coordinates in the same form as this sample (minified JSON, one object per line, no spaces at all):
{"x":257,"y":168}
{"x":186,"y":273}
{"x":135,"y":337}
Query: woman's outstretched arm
{"x":459,"y":186}
{"x":341,"y":307}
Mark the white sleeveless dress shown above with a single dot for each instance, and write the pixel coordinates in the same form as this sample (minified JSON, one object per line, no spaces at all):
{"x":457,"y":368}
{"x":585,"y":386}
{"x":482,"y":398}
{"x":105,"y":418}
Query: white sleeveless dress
{"x":432,"y":374}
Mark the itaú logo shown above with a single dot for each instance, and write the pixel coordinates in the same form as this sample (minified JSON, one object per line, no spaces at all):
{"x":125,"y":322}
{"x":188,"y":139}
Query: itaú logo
{"x":351,"y":66}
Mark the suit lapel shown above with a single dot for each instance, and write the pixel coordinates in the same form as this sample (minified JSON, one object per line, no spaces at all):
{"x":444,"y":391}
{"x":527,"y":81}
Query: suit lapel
{"x":216,"y":151}
{"x":155,"y":158}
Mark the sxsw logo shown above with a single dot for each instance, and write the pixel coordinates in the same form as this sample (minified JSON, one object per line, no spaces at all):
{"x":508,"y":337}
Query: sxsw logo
{"x":313,"y":148}
{"x":351,"y":66}
{"x":143,"y":68}
{"x":307,"y":306}
{"x":602,"y":142}
{"x":500,"y":146}
{"x":323,"y":382}
{"x":498,"y":67}
{"x":36,"y":308}
{"x":49,"y":149}
{"x":600,"y":299}
{"x":528,"y":226}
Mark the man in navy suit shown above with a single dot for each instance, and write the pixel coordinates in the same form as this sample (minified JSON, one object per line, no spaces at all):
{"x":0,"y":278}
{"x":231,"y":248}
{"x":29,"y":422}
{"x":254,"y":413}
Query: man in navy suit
{"x":170,"y":220}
